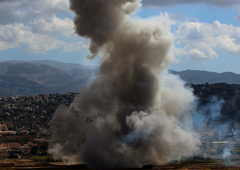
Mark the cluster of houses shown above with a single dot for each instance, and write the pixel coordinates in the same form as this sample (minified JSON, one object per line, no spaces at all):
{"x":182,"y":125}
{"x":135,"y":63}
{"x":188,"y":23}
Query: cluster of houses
{"x":16,"y":148}
{"x":33,"y":113}
{"x":225,"y":145}
{"x":27,"y":117}
{"x":4,"y":131}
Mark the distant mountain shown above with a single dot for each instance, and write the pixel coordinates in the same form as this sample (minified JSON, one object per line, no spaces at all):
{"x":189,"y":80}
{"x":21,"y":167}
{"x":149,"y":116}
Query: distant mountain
{"x":16,"y":85}
{"x":37,"y":77}
{"x":25,"y":78}
{"x":60,"y":65}
{"x":202,"y":77}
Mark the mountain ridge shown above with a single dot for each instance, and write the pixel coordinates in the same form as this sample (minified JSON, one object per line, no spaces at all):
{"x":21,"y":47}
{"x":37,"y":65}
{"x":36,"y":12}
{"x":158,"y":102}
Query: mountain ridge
{"x":52,"y":63}
{"x":41,"y":76}
{"x":39,"y":79}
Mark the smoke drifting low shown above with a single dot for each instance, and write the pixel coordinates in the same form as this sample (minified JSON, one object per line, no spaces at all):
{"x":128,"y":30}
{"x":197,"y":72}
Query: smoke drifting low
{"x":140,"y":113}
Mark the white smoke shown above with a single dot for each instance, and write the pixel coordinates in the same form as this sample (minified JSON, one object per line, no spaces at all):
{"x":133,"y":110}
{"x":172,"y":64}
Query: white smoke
{"x":133,"y":113}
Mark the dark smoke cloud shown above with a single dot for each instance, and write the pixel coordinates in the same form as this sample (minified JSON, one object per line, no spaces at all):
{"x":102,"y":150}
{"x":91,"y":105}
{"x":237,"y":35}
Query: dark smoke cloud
{"x":100,"y":18}
{"x":137,"y":116}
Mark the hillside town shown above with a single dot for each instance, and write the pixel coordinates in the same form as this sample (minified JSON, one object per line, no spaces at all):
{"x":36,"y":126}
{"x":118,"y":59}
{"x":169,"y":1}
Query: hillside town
{"x":30,"y":114}
{"x":25,"y":120}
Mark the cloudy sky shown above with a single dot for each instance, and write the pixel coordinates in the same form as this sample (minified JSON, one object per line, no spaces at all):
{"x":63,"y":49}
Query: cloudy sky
{"x":207,"y":32}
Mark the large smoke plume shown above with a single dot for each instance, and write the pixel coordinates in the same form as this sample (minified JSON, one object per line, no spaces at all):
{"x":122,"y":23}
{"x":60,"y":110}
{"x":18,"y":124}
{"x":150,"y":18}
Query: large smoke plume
{"x":133,"y":113}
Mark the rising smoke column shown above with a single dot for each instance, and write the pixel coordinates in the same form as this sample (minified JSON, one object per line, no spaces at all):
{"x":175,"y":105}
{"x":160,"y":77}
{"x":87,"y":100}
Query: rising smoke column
{"x":140,"y":114}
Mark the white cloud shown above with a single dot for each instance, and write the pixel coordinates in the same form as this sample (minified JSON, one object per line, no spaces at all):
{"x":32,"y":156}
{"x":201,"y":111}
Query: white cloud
{"x":173,"y":19}
{"x":35,"y":24}
{"x":54,"y":25}
{"x":199,"y":54}
{"x":17,"y":34}
{"x":199,"y":41}
{"x":25,"y":10}
{"x":228,"y":43}
{"x":75,"y":46}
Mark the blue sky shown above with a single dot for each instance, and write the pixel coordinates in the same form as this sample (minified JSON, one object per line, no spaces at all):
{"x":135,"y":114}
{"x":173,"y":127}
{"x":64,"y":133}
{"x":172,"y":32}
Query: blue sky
{"x":207,"y":32}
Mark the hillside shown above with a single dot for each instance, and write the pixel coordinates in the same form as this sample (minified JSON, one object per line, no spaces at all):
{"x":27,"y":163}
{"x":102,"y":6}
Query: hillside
{"x":59,"y":65}
{"x":37,"y":77}
{"x":27,"y":78}
{"x":202,"y":77}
